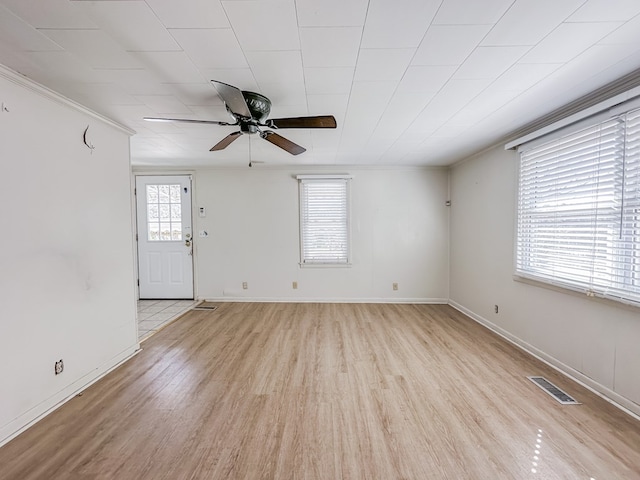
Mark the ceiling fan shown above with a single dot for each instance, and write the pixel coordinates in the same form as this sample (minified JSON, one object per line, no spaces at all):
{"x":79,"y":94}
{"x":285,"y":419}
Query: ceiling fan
{"x":250,"y":111}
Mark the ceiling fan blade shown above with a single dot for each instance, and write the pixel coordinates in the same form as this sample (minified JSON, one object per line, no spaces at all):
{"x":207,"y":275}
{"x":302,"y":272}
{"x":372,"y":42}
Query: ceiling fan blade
{"x":322,"y":121}
{"x":186,"y":120}
{"x":225,"y":142}
{"x":282,"y":142}
{"x":233,"y":97}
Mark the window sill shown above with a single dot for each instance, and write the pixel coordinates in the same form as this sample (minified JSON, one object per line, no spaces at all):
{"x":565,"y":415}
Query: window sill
{"x":576,"y":292}
{"x":325,"y":265}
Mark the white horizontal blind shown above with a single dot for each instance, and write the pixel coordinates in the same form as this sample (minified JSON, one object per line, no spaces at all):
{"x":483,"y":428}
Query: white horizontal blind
{"x":578,"y":211}
{"x":629,"y":265}
{"x":324,"y":221}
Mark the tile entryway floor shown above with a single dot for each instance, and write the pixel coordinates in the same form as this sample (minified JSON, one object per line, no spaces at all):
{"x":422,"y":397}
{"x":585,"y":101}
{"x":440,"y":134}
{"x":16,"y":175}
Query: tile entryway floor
{"x":155,"y":314}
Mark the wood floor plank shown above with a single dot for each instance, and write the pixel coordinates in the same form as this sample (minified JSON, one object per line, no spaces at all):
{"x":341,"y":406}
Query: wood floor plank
{"x":327,"y":391}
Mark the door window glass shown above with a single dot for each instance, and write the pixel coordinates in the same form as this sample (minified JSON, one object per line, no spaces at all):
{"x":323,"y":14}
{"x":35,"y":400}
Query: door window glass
{"x":164,"y":213}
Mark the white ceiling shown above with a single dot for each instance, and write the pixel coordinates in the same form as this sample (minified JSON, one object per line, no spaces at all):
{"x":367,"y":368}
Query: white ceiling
{"x":410,"y":82}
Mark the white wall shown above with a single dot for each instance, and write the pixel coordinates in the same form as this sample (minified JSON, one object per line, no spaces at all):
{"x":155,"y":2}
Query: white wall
{"x":594,"y":340}
{"x":67,"y":278}
{"x":399,"y":234}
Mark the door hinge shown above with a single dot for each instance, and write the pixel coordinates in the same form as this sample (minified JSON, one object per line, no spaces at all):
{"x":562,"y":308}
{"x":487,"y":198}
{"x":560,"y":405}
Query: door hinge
{"x":136,"y":237}
{"x":138,"y":282}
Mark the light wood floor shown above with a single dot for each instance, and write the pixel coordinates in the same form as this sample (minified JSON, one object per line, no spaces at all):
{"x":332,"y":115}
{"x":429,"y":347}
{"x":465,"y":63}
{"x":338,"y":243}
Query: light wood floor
{"x":325,"y":391}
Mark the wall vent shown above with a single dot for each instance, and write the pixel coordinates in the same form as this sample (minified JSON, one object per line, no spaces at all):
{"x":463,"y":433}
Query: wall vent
{"x":554,"y":391}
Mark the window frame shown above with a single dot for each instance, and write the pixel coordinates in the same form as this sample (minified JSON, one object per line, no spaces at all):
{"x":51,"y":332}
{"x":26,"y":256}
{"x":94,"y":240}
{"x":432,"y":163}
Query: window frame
{"x":623,"y":267}
{"x":324,"y":263}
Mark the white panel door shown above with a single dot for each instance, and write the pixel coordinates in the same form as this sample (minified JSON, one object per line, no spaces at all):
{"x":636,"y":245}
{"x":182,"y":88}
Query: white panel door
{"x":165,"y":241}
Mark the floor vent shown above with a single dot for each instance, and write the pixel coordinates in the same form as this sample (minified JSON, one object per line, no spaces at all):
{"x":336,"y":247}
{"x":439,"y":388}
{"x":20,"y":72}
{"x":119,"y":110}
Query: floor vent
{"x":208,"y":306}
{"x":554,"y":391}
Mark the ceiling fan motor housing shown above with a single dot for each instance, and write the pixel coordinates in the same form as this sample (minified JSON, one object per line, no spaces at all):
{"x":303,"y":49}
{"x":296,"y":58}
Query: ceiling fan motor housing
{"x":259,"y":105}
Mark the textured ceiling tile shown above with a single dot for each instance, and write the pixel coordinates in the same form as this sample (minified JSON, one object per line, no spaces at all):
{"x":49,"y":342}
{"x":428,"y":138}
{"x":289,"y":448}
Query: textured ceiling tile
{"x":17,"y":35}
{"x":447,"y":102}
{"x":63,"y":66}
{"x":131,"y":23}
{"x":628,"y":34}
{"x":330,"y":47}
{"x":568,"y":41}
{"x":328,"y":80}
{"x":398,"y":24}
{"x":326,"y":139}
{"x":618,"y":60}
{"x":522,"y":76}
{"x":606,"y":11}
{"x":164,"y":104}
{"x":96,"y":94}
{"x":134,"y":81}
{"x":382,"y":64}
{"x":190,"y":13}
{"x":490,"y":62}
{"x":449,"y":44}
{"x":425,"y":78}
{"x":171,"y":67}
{"x":485,"y":104}
{"x":367,"y":103}
{"x":49,"y":13}
{"x":94,"y":47}
{"x":464,"y":12}
{"x":211,"y":48}
{"x":331,"y":13}
{"x":272,"y":67}
{"x":261,"y":25}
{"x":542,"y":16}
{"x":399,"y":114}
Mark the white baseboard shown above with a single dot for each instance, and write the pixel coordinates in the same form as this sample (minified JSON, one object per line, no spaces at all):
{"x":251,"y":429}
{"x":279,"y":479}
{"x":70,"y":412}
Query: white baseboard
{"x":624,"y":404}
{"x":37,"y":413}
{"x":439,"y":301}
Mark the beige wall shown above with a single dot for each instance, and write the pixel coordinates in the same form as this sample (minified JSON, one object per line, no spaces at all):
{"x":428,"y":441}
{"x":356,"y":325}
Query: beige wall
{"x":66,"y":251}
{"x":594,"y":340}
{"x":399,"y":234}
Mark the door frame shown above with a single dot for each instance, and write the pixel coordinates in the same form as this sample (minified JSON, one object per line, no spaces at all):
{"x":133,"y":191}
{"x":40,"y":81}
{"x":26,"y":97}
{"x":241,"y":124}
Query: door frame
{"x":134,"y":208}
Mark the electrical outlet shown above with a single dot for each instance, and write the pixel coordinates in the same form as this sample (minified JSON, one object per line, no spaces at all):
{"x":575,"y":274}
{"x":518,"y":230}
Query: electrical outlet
{"x":395,"y":286}
{"x":58,"y":367}
{"x":495,"y":308}
{"x":295,"y":285}
{"x":245,"y":285}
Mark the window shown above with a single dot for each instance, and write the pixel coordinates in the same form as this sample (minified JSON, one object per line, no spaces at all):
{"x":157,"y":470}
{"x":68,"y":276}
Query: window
{"x":324,"y":220}
{"x":579,"y":210}
{"x":164,"y":215}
